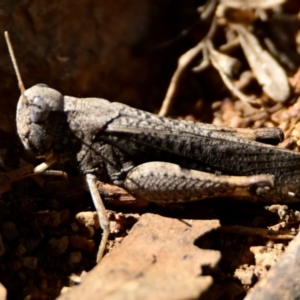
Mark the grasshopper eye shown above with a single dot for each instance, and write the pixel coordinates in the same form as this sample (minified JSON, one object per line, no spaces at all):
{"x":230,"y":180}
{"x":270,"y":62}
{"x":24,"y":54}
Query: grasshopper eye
{"x":39,"y":110}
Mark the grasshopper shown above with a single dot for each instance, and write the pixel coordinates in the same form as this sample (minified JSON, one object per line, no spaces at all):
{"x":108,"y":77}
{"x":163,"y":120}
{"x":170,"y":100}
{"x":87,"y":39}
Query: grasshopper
{"x":152,"y":157}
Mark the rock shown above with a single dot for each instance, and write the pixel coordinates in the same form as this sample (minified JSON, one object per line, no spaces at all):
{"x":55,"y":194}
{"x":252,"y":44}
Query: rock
{"x":57,"y":246}
{"x":75,"y":258}
{"x":30,"y":262}
{"x":10,"y":231}
{"x":81,"y":242}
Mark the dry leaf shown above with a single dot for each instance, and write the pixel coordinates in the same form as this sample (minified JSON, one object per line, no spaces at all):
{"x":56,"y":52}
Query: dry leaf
{"x":270,"y":75}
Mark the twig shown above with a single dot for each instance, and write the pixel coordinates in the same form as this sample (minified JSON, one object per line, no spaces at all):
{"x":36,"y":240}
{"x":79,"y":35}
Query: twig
{"x":184,"y":62}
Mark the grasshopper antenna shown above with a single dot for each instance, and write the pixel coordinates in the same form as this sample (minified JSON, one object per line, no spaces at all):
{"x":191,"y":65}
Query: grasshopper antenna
{"x":14,"y":62}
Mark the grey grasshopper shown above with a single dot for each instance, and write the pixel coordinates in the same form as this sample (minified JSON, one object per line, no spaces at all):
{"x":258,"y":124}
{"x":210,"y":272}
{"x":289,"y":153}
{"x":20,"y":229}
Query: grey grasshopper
{"x":152,"y":157}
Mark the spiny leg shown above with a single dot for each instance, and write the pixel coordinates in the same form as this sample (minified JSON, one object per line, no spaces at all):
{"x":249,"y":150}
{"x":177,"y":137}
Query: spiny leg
{"x":91,"y":181}
{"x":100,"y":208}
{"x":168,"y":182}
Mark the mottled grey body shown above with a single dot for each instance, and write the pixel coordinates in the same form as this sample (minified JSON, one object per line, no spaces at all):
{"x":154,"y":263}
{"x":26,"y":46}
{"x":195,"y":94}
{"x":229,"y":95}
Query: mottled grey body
{"x":157,"y":158}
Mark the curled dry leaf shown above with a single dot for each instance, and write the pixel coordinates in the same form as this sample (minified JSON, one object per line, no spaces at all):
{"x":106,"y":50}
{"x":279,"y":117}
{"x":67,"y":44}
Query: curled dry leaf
{"x":229,"y":65}
{"x":224,"y":64}
{"x":270,"y":75}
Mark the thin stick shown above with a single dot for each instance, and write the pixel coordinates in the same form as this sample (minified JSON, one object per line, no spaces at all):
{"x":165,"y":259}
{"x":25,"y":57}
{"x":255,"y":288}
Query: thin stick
{"x":184,"y":61}
{"x":14,"y":62}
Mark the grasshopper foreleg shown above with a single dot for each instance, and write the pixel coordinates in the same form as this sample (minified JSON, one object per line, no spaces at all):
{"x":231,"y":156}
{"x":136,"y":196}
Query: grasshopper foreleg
{"x":103,"y":220}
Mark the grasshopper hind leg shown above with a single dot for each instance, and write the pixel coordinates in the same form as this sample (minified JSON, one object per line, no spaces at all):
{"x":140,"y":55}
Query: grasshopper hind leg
{"x":167,"y":182}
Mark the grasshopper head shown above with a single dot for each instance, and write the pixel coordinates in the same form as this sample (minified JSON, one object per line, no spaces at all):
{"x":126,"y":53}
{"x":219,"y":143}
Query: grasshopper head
{"x":39,"y":112}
